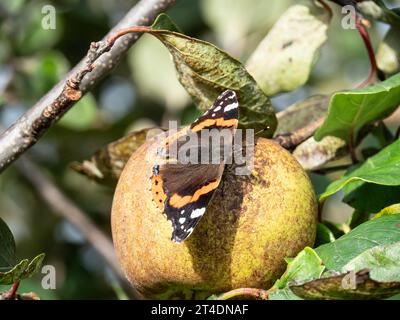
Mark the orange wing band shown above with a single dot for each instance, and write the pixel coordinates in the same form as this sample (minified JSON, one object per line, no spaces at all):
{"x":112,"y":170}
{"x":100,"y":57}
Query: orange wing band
{"x":178,"y":201}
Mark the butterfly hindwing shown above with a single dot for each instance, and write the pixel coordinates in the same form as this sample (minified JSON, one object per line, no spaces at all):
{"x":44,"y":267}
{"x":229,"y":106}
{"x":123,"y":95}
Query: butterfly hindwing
{"x":183,"y":191}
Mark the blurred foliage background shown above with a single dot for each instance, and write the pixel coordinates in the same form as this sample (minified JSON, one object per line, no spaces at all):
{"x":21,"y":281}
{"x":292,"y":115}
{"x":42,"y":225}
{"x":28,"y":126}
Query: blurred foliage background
{"x":142,"y":92}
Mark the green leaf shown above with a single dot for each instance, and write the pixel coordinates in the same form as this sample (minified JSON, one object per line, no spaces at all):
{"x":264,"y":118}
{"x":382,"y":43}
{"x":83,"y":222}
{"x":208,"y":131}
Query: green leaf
{"x":349,"y":111}
{"x":357,"y":218}
{"x":283,"y":294}
{"x":82,"y":116}
{"x":33,"y":266}
{"x":335,"y":228}
{"x":383,"y":263}
{"x":370,"y":198}
{"x":7,"y":247}
{"x":283,"y":60}
{"x":384,"y":230}
{"x":383,"y":168}
{"x":15,"y":274}
{"x":393,"y":209}
{"x":163,"y":22}
{"x":350,"y":286}
{"x":307,"y":265}
{"x":22,"y":270}
{"x":205,"y":71}
{"x":324,"y":235}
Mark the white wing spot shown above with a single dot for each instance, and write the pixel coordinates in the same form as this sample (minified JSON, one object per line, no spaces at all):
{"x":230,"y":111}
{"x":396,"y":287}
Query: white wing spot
{"x":189,"y":231}
{"x":197,"y":213}
{"x":217,"y":108}
{"x":182,"y":220}
{"x":231,"y":107}
{"x":183,"y":211}
{"x":213,"y":115}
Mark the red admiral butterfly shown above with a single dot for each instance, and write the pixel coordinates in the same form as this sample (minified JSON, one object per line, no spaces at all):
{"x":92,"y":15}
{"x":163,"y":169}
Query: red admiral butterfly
{"x":183,"y":190}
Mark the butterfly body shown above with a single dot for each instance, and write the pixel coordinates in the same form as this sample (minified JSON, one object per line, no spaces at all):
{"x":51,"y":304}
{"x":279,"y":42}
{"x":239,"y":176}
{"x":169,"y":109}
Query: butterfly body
{"x":182,"y":187}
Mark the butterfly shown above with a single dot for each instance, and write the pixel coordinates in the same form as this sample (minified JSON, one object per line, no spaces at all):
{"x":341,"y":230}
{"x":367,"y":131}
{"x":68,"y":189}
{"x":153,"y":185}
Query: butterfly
{"x":183,"y":189}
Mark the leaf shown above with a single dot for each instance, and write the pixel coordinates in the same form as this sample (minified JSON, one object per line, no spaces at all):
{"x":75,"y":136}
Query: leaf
{"x":393,"y":209}
{"x":382,"y":135}
{"x":313,"y":155}
{"x":307,"y":265}
{"x":283,"y":294}
{"x":302,"y":113}
{"x":24,"y":269}
{"x":383,"y":169}
{"x":324,"y":235}
{"x":163,"y":22}
{"x":205,"y":71}
{"x":370,"y":198}
{"x":338,"y":288}
{"x":283,"y":60}
{"x":388,"y":55}
{"x":384,"y":230}
{"x":106,"y":165}
{"x":357,"y":218}
{"x":15,"y":274}
{"x":82,"y":116}
{"x":33,"y":266}
{"x":383,"y":263}
{"x":7,"y":247}
{"x":349,"y":111}
{"x":237,"y":24}
{"x":335,"y":228}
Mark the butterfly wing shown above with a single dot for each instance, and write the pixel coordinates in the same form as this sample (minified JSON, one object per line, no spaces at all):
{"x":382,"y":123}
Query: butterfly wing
{"x":183,"y":191}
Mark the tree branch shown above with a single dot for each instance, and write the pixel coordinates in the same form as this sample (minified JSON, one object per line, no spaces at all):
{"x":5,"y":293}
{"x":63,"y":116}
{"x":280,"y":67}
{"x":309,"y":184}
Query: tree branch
{"x":291,"y":140}
{"x":83,"y":77}
{"x":66,"y":209}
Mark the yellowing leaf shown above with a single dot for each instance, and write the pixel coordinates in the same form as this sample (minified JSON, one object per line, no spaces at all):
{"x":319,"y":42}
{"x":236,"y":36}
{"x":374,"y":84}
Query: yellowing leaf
{"x":283,"y":60}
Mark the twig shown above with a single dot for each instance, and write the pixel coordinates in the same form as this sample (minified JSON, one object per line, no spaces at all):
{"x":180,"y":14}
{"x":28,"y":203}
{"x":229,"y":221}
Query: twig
{"x":38,"y":119}
{"x":373,"y":74}
{"x":10,"y":294}
{"x":66,"y":209}
{"x":292,"y":139}
{"x":251,"y":292}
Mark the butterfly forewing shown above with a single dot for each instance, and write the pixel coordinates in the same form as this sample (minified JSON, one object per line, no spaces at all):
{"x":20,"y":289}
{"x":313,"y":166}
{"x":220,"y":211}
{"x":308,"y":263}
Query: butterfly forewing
{"x":184,"y":190}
